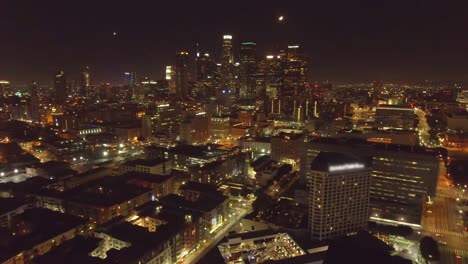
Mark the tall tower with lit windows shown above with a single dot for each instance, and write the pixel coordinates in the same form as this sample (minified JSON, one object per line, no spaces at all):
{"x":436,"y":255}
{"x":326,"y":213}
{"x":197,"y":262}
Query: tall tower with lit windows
{"x":339,"y":195}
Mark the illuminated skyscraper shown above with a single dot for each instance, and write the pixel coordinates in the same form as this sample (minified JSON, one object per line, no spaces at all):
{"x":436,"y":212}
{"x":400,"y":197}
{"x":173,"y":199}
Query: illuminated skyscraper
{"x":34,"y":103}
{"x":272,"y":71}
{"x":295,"y":71}
{"x":207,"y":75}
{"x":339,"y":195}
{"x":130,"y":78}
{"x":206,"y":67}
{"x":60,"y":88}
{"x":85,"y":82}
{"x":248,"y":69}
{"x":229,"y":82}
{"x":5,"y":88}
{"x":228,"y":54}
{"x":182,"y":74}
{"x":170,"y":78}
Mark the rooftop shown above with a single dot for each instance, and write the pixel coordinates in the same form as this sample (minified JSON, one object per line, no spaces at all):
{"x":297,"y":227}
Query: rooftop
{"x":361,"y":248}
{"x":201,"y":151}
{"x":145,"y":162}
{"x":289,"y":136}
{"x":203,"y":204}
{"x":362,"y":143}
{"x":146,"y":177}
{"x":337,"y":162}
{"x":75,"y":251}
{"x":107,"y":191}
{"x":203,"y":188}
{"x":10,"y":204}
{"x":44,"y":224}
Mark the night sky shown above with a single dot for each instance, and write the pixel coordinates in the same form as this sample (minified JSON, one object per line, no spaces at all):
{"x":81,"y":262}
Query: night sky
{"x":345,"y":40}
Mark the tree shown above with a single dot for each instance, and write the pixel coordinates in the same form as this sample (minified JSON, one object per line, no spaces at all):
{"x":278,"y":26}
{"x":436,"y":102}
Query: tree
{"x":429,"y":249}
{"x":404,"y":230}
{"x":262,"y":203}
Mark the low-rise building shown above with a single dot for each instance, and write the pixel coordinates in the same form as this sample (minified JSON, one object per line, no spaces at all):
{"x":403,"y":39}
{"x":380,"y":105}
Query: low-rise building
{"x":216,"y":172}
{"x":258,"y":247}
{"x":161,"y":185}
{"x":9,"y":208}
{"x":35,"y":232}
{"x":258,"y":146}
{"x":158,"y":166}
{"x":287,"y":148}
{"x":105,"y":199}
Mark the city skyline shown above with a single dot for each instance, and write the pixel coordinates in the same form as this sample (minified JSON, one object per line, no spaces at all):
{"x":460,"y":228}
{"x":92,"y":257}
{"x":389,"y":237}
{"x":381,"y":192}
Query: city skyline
{"x":366,"y":41}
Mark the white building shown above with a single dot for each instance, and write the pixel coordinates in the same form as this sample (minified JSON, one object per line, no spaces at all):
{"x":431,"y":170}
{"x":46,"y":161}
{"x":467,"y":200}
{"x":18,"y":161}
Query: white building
{"x":339,"y":195}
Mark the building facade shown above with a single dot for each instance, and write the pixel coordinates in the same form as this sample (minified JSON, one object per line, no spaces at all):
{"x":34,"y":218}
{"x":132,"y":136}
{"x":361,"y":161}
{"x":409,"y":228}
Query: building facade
{"x":339,"y":196}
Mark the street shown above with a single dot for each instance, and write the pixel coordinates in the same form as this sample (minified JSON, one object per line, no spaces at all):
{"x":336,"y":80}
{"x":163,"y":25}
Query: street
{"x":443,"y":223}
{"x":237,"y":213}
{"x":423,"y":127}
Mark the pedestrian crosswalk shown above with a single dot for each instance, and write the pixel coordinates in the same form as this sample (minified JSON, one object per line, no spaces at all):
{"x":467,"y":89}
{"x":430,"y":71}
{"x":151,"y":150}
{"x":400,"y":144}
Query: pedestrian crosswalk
{"x":450,"y":255}
{"x":446,"y":232}
{"x":459,"y":252}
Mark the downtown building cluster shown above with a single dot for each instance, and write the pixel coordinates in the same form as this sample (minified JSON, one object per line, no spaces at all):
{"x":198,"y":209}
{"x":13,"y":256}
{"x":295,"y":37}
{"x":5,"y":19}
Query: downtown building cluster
{"x":241,"y":150}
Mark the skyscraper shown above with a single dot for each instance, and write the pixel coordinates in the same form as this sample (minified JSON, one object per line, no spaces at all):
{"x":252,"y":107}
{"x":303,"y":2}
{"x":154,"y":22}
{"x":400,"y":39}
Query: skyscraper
{"x":130,"y":78}
{"x":206,"y":67}
{"x":60,"y":88}
{"x":85,"y":81}
{"x":229,"y":83}
{"x":5,"y":88}
{"x":170,"y":78}
{"x":34,"y":103}
{"x":402,"y":176}
{"x":207,"y":75}
{"x":228,"y":54}
{"x":295,"y":71}
{"x":248,"y":69}
{"x":182,"y":74}
{"x":339,"y":195}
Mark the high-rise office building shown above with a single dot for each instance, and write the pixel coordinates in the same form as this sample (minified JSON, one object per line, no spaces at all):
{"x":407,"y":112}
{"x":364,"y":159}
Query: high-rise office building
{"x":5,"y":88}
{"x":206,"y":67}
{"x":130,"y":78}
{"x":248,"y":69}
{"x":85,"y":81}
{"x":228,"y":54}
{"x":295,"y":72}
{"x":170,"y":78}
{"x":60,"y":87}
{"x":34,"y":103}
{"x":182,"y":75}
{"x":402,"y":176}
{"x":161,"y":89}
{"x":228,"y":83}
{"x":207,"y":75}
{"x":271,"y":70}
{"x":339,"y":195}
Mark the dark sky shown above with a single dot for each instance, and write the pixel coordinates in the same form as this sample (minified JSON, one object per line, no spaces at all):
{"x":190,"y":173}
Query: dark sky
{"x":345,"y":40}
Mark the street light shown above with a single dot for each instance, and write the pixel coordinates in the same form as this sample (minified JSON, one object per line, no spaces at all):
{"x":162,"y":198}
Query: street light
{"x":105,"y":153}
{"x":16,"y":170}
